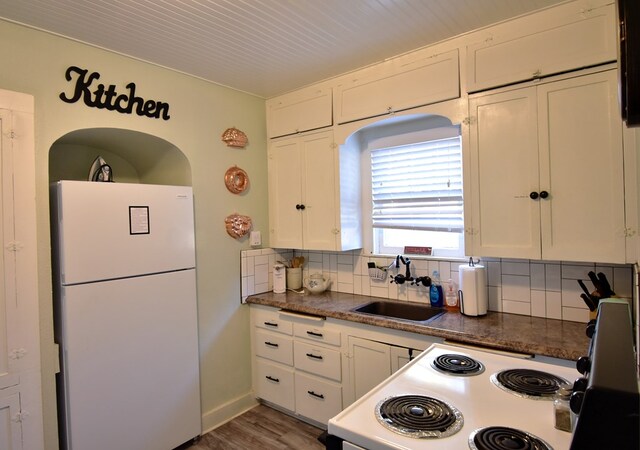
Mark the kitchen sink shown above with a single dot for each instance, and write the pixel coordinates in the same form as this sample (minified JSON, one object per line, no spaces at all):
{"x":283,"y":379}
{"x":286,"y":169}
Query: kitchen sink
{"x":407,"y":311}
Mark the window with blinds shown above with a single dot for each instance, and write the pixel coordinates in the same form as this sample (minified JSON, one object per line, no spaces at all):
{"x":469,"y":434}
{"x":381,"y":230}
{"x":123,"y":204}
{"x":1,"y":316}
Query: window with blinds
{"x":418,"y":186}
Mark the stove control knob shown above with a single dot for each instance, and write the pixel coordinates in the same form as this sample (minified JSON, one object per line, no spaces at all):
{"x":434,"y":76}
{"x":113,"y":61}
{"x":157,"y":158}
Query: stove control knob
{"x":580,"y":385}
{"x":583,"y":364}
{"x":575,"y":402}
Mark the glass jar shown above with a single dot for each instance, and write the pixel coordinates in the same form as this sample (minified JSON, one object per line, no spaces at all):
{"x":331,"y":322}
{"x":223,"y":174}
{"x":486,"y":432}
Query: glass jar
{"x":561,"y":410}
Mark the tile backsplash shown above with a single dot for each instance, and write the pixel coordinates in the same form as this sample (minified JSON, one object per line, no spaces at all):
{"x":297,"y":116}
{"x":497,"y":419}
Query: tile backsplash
{"x":526,"y":287}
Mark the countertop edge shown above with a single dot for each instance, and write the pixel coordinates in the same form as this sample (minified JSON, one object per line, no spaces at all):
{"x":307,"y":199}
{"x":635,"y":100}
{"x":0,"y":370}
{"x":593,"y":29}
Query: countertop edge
{"x":507,"y":332}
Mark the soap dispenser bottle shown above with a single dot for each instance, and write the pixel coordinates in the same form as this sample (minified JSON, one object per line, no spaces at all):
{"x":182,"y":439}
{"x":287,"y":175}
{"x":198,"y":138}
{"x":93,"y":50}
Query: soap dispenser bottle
{"x":436,"y":295}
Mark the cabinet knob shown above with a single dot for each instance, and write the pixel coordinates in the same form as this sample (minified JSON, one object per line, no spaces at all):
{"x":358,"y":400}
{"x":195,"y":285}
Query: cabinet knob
{"x":534,"y":195}
{"x":300,"y":207}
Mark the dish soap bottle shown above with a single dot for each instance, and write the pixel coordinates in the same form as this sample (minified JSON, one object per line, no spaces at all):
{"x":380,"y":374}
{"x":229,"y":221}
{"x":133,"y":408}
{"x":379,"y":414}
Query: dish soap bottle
{"x":451,"y":295}
{"x":435,"y":292}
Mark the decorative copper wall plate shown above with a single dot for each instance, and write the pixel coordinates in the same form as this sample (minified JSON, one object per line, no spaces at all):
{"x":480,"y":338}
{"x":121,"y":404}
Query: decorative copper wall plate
{"x":234,"y":138}
{"x":236,"y":179}
{"x":237,"y":225}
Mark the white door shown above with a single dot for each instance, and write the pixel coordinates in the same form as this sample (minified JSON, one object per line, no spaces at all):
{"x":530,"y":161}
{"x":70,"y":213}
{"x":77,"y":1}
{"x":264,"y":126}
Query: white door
{"x":370,"y":364}
{"x":504,"y":172}
{"x":10,"y":427}
{"x":581,"y":161}
{"x":320,"y":216}
{"x":20,"y":393}
{"x":285,"y":194}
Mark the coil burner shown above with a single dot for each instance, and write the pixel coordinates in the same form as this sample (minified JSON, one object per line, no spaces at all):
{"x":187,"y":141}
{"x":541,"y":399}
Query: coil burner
{"x":528,"y":383}
{"x":419,"y":416}
{"x":503,"y":438}
{"x":454,"y":364}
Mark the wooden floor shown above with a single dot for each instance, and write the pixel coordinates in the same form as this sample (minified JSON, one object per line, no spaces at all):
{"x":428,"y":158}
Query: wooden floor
{"x":261,"y":428}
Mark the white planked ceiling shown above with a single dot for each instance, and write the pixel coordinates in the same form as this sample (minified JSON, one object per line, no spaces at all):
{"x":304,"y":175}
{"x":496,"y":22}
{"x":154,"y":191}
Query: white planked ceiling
{"x":264,"y":47}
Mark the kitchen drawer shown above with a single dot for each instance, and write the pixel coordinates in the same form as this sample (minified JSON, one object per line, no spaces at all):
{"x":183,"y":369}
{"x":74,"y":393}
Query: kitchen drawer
{"x":317,"y":399}
{"x":274,"y":346}
{"x":317,"y":333}
{"x":274,"y":383}
{"x":317,"y":360}
{"x":271,"y":320}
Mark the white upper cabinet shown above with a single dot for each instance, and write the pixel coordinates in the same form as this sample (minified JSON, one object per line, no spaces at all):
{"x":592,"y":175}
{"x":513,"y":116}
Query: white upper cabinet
{"x":310,"y":207}
{"x":564,"y":41}
{"x":302,"y":110}
{"x":420,"y":78}
{"x":547,"y":171}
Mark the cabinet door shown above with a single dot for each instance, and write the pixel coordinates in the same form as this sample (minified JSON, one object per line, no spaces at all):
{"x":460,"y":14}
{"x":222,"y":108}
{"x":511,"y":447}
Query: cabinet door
{"x":401,"y":356}
{"x":10,"y":426}
{"x":564,"y":42}
{"x":299,"y":111}
{"x":285,"y":192}
{"x":581,"y":160}
{"x":370,"y":364}
{"x":319,"y":167}
{"x":504,"y":171}
{"x":416,"y":80}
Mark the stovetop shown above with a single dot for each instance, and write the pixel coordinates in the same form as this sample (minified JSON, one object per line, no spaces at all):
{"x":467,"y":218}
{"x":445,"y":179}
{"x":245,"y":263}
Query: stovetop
{"x":481,"y":403}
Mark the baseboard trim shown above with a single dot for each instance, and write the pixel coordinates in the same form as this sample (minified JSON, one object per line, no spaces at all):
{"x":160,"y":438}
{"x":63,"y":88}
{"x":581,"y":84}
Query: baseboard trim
{"x":214,"y":418}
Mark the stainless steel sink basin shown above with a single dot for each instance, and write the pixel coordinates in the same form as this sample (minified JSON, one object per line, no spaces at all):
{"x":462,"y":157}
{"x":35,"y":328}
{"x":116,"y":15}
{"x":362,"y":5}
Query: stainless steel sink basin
{"x":397,"y":310}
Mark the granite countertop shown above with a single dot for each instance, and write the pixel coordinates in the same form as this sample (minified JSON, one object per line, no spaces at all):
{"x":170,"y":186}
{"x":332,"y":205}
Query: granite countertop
{"x":511,"y":332}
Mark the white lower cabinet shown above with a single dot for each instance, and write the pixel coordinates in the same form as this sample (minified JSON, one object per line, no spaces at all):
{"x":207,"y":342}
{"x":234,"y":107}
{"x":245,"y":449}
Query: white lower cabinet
{"x":274,"y":383}
{"x":373,"y":362}
{"x":316,"y":398}
{"x":314,"y":367}
{"x":300,"y":373}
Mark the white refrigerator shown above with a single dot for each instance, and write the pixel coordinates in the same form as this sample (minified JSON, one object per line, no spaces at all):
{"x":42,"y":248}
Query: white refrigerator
{"x":125,"y":315}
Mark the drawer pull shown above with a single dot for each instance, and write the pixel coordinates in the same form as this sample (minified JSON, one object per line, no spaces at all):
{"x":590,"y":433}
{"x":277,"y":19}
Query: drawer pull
{"x":275,"y":380}
{"x":271,"y":344}
{"x":271,"y":324}
{"x":315,"y":395}
{"x":314,"y":334}
{"x":311,"y":355}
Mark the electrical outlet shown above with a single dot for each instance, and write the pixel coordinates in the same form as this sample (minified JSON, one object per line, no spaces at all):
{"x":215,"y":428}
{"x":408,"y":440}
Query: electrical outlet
{"x":255,"y":239}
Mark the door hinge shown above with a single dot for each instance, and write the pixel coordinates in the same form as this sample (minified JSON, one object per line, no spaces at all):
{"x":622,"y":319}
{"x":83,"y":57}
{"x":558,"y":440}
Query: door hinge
{"x":20,"y":416}
{"x":17,"y":353}
{"x":14,"y":246}
{"x":629,"y":232}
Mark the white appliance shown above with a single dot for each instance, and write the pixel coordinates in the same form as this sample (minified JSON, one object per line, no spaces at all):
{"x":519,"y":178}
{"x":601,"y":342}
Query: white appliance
{"x":125,"y":315}
{"x":480,"y":402}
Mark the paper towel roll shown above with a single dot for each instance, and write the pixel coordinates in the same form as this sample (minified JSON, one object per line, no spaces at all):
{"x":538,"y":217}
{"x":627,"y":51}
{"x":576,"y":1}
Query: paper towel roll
{"x":473,"y":287}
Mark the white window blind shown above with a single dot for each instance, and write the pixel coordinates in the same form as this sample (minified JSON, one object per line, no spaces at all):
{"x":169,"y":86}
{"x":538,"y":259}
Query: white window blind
{"x":418,"y":186}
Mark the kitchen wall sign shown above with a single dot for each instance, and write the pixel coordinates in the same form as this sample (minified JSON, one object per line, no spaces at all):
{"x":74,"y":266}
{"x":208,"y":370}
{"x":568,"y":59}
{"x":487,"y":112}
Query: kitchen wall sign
{"x":106,"y":97}
{"x":237,"y":225}
{"x":234,"y":138}
{"x":236,"y":180}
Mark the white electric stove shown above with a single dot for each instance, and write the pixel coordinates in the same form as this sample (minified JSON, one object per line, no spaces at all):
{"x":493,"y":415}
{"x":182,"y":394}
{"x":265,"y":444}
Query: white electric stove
{"x":467,"y":409}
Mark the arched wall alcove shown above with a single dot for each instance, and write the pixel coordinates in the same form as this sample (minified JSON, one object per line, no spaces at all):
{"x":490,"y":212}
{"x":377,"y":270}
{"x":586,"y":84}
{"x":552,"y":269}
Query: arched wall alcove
{"x":134,"y":157}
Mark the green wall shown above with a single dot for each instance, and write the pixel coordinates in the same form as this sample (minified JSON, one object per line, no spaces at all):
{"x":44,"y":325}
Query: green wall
{"x":35,"y":62}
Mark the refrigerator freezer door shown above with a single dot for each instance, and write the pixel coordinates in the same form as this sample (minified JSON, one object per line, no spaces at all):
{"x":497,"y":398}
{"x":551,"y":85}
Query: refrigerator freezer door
{"x":130,"y":363}
{"x":114,"y":230}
